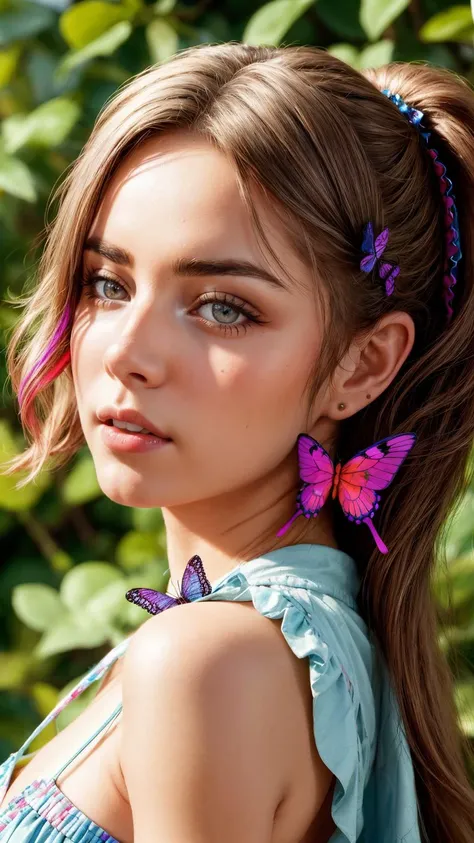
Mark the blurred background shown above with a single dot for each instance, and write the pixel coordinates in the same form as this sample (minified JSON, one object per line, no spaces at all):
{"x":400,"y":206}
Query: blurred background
{"x":68,"y":554}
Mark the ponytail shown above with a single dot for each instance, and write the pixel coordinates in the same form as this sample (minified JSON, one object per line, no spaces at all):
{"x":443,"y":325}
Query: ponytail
{"x":435,"y":397}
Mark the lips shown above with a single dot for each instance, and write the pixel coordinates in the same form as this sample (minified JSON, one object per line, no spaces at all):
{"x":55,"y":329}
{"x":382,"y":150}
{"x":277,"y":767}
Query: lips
{"x":128,"y":416}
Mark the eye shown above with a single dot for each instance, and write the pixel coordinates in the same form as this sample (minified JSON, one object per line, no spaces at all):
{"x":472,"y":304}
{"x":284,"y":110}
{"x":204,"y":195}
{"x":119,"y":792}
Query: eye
{"x":224,"y":310}
{"x":221,"y":311}
{"x":103,"y":289}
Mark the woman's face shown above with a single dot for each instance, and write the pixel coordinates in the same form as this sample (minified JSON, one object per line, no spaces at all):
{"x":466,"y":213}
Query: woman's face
{"x":215,"y":358}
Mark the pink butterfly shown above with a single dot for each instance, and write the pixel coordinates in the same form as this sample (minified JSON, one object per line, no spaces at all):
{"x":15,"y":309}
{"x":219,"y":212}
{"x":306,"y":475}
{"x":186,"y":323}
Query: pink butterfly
{"x":355,"y":483}
{"x":374,"y":250}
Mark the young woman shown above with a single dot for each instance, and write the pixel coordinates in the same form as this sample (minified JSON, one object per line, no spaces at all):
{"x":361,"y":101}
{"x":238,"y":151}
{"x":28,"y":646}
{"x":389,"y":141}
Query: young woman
{"x":256,"y":307}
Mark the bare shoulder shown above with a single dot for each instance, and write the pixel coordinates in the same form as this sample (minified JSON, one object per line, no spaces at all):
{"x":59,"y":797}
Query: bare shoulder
{"x":227,"y":650}
{"x":203,"y":689}
{"x":212,"y":635}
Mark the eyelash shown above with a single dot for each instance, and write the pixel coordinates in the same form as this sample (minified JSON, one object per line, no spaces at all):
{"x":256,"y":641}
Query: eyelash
{"x":91,"y":278}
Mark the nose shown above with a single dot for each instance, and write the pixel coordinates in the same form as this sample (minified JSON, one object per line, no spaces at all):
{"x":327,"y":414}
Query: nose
{"x":133,"y":356}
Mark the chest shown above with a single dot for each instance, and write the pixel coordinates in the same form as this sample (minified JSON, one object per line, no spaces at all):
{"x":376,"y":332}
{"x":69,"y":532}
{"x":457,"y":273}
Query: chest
{"x":92,"y":782}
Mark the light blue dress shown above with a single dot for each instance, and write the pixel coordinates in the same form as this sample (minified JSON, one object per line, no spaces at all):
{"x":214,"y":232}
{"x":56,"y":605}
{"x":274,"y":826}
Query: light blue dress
{"x":357,"y":727}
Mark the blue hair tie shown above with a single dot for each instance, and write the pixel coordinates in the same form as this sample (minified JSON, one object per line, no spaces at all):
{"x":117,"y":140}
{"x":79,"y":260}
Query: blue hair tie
{"x":453,"y":252}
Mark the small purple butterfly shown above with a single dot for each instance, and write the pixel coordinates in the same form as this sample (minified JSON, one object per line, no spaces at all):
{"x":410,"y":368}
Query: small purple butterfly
{"x":194,"y":584}
{"x":374,"y":249}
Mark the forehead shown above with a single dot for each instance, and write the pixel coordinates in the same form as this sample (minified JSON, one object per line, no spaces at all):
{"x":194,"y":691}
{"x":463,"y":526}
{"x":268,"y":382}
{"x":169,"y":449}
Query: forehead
{"x":177,"y":193}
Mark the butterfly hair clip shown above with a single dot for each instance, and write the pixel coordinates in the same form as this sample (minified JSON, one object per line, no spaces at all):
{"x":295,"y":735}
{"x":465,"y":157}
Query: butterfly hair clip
{"x":373,"y":248}
{"x":355,"y":483}
{"x":195,"y":584}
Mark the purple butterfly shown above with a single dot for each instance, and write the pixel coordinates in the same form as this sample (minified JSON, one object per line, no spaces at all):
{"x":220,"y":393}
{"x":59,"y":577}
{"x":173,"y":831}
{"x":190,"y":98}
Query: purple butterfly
{"x":374,"y":249}
{"x":195,"y":584}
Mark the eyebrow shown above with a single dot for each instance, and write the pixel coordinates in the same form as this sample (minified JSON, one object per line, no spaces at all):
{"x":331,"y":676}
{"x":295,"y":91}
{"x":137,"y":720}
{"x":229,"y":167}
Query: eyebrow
{"x":188,"y":266}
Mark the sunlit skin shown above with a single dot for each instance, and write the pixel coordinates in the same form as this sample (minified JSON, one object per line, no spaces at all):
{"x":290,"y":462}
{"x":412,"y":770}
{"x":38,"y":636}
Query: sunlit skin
{"x":228,"y":391}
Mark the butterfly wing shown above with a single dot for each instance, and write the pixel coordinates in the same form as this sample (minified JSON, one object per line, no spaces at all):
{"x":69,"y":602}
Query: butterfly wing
{"x":368,"y":247}
{"x":311,"y":499}
{"x":367,"y":264}
{"x":357,"y":502}
{"x":315,"y":464}
{"x":381,"y":242}
{"x":150,"y":600}
{"x":388,"y":272}
{"x":370,"y":471}
{"x":317,"y":472}
{"x":195,"y":582}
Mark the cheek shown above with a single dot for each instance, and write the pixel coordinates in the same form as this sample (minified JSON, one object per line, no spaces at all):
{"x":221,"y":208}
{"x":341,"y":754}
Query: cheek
{"x":267,"y":377}
{"x":87,"y":346}
{"x":248,"y":409}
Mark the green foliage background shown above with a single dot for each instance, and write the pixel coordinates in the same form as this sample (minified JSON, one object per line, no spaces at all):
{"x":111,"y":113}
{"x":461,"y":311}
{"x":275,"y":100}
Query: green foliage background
{"x":69,"y":554}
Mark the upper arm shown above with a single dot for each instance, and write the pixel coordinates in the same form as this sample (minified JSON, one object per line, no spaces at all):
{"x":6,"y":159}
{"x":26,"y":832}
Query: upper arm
{"x":199,"y":749}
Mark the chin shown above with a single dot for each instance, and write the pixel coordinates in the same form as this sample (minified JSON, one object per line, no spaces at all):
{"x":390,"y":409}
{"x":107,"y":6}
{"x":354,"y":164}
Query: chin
{"x":128,"y":487}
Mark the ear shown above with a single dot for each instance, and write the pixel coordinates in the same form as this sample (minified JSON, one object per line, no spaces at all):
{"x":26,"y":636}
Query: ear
{"x":370,"y":365}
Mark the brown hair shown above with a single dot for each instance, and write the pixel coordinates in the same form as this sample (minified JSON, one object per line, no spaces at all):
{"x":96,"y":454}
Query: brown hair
{"x":280,"y":113}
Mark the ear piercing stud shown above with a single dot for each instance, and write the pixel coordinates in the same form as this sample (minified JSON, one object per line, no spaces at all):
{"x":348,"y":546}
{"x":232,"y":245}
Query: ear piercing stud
{"x":342,"y":406}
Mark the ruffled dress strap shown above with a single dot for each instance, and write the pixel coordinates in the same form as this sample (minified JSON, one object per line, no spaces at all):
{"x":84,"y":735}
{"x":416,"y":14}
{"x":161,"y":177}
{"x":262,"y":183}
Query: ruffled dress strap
{"x":313,"y":589}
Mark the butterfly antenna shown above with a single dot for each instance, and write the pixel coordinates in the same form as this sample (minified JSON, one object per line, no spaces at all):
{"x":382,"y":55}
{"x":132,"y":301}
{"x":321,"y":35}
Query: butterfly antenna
{"x":175,"y":586}
{"x":288,"y":523}
{"x":378,"y":541}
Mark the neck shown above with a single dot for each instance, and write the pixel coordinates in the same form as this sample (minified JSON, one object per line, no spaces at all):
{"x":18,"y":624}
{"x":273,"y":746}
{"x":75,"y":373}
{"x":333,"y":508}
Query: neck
{"x":238,"y":526}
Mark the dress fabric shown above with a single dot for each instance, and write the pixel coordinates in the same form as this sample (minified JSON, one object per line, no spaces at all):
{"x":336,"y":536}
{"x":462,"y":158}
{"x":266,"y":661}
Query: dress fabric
{"x":357,"y":725}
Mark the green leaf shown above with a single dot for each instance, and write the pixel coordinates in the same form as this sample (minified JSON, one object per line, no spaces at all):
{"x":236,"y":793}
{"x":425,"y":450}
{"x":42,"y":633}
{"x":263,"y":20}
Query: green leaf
{"x":460,"y":526}
{"x":37,"y":605}
{"x":103,"y":46}
{"x":273,"y":20}
{"x":147,"y":520}
{"x":85,"y":22}
{"x":153,"y":575}
{"x":8,"y":317}
{"x":377,"y":15}
{"x":105,"y":606}
{"x":164,"y":7}
{"x":16,"y":178}
{"x":14,"y":667}
{"x":11,"y":498}
{"x":74,"y":708}
{"x":447,"y":25}
{"x":61,"y":561}
{"x":81,"y":486}
{"x":70,"y":634}
{"x":345,"y":52}
{"x":342,"y":17}
{"x":25,"y":22}
{"x":137,"y":549}
{"x":464,"y":696}
{"x":8,"y":62}
{"x":45,"y":698}
{"x":46,"y":126}
{"x":455,"y":585}
{"x":84,"y":581}
{"x":162,"y":40}
{"x":376,"y":55}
